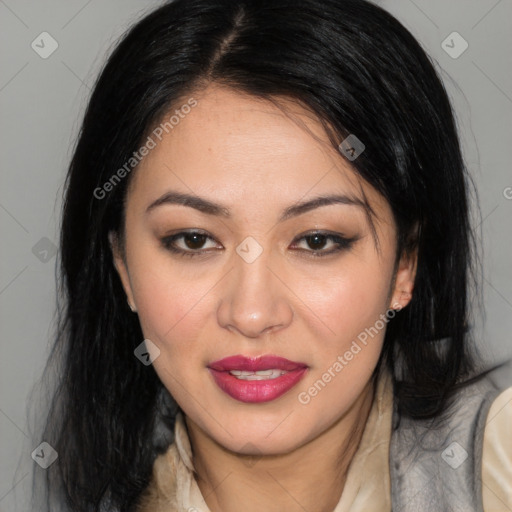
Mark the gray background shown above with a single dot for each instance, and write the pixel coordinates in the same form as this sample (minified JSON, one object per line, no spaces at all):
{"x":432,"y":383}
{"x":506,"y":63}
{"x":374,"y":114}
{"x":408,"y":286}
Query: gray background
{"x":41,"y":103}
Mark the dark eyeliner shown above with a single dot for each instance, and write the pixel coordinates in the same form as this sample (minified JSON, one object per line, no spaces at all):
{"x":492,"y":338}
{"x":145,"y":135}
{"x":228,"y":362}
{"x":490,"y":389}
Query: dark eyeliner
{"x":342,"y":243}
{"x":168,"y":244}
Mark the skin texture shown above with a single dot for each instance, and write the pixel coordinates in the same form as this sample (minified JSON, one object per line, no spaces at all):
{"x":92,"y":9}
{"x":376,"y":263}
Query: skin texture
{"x":256,"y":159}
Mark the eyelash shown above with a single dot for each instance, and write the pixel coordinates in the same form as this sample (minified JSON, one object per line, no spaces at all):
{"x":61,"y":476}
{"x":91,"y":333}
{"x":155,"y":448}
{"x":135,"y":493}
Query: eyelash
{"x":341,"y":242}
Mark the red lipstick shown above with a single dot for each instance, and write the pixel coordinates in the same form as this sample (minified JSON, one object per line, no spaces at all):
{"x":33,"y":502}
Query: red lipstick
{"x":256,"y":379}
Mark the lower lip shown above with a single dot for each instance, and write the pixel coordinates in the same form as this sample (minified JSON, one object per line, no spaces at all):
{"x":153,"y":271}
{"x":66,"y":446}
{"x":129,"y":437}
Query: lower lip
{"x":257,"y":391}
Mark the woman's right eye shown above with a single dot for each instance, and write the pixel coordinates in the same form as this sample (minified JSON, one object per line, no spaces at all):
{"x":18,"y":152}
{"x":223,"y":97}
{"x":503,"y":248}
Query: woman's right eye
{"x":188,"y":243}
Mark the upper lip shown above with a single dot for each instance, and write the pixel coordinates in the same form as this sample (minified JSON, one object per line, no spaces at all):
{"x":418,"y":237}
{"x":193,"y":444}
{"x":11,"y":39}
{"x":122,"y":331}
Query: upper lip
{"x":254,"y":364}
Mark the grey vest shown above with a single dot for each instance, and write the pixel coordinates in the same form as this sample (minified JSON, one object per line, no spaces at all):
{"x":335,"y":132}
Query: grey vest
{"x":436,"y":465}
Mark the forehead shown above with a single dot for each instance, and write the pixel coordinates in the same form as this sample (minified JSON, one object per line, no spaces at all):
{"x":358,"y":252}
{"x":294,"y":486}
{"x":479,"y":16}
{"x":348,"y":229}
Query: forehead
{"x":238,"y":148}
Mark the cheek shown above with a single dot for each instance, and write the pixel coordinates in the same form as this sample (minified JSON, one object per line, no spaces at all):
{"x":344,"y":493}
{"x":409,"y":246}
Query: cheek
{"x":172,"y":311}
{"x":170,"y":307}
{"x":352,"y":306}
{"x":350,"y":302}
{"x":346,"y":354}
{"x":170,"y":301}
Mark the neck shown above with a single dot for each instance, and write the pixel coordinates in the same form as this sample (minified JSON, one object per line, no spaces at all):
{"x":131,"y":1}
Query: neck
{"x":311,"y":477}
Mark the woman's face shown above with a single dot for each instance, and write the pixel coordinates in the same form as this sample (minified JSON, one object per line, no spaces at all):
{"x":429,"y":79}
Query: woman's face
{"x":255,"y":280}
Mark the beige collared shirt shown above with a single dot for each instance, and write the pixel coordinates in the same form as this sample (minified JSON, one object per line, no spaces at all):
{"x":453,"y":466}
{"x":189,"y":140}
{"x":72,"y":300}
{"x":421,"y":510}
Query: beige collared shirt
{"x":367,"y":488}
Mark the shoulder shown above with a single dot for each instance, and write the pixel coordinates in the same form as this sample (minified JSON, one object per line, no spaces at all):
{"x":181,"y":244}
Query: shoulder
{"x":436,"y":463}
{"x":497,"y":454}
{"x":161,"y":493}
{"x":172,"y":475}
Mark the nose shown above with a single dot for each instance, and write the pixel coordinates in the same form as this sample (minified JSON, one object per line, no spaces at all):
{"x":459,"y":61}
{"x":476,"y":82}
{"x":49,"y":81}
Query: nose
{"x":255,"y":300}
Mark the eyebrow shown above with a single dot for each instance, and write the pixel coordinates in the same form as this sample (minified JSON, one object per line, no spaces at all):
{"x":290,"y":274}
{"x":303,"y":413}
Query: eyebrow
{"x":210,"y":208}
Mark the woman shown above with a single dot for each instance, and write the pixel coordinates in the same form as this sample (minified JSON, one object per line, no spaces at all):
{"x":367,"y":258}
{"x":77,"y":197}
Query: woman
{"x":266,"y":257}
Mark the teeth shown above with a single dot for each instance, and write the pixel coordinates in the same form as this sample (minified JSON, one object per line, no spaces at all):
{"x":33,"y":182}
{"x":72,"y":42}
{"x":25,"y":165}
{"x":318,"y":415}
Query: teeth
{"x":259,"y":375}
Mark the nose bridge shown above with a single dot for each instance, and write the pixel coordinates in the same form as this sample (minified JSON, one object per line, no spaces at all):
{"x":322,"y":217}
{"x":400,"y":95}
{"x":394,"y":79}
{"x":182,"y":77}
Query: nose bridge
{"x":255,"y":301}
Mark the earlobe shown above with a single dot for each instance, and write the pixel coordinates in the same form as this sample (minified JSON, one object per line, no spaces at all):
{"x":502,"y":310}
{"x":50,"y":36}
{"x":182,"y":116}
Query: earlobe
{"x":120,"y":265}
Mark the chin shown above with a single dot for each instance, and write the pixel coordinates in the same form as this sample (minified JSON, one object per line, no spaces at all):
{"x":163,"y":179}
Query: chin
{"x":250,"y":438}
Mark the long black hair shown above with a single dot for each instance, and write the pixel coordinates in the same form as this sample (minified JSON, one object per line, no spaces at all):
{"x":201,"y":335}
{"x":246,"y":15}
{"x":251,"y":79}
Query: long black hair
{"x":359,"y":71}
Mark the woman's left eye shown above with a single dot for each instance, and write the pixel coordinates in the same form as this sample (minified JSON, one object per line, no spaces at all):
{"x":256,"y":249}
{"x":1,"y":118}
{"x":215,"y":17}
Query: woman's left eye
{"x":192,"y":243}
{"x":317,"y":242}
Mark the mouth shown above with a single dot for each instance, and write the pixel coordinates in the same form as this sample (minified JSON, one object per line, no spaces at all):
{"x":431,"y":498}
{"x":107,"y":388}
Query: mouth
{"x":256,"y":380}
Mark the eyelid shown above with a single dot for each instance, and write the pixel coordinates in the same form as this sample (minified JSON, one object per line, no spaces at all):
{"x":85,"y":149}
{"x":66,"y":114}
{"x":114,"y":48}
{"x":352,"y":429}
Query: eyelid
{"x":169,"y":239}
{"x":340,"y":241}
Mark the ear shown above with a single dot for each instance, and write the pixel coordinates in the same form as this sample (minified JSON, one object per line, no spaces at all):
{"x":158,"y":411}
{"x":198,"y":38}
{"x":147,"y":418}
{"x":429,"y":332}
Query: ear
{"x":404,"y":280}
{"x":120,"y":264}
